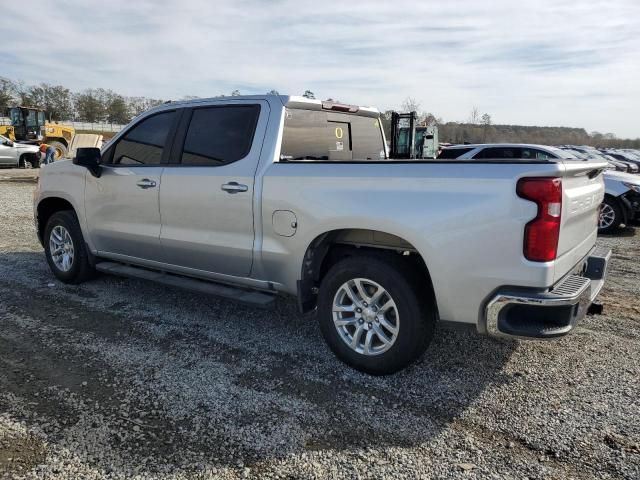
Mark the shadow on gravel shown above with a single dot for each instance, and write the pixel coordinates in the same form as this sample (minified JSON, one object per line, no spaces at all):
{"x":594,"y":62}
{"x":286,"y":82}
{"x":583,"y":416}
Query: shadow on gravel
{"x":626,"y":231}
{"x":125,"y":373}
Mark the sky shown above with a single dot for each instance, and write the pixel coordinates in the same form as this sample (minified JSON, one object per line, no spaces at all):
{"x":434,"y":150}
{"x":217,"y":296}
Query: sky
{"x":553,"y":63}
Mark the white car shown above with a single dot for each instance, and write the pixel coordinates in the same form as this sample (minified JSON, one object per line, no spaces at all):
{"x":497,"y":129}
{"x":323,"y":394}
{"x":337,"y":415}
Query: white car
{"x":13,"y":154}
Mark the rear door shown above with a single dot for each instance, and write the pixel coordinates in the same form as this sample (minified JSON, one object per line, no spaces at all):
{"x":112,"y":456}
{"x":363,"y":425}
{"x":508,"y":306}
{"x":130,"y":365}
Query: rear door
{"x":207,"y":191}
{"x":122,"y":205}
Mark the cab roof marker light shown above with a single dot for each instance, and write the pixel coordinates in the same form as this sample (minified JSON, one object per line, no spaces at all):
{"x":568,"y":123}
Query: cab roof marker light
{"x":340,"y":107}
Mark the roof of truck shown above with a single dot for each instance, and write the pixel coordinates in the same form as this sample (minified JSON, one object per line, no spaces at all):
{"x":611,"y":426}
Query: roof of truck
{"x":291,"y":101}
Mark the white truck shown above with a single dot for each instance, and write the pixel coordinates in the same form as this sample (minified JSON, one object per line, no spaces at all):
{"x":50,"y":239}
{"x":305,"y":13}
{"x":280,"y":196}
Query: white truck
{"x":249,"y":197}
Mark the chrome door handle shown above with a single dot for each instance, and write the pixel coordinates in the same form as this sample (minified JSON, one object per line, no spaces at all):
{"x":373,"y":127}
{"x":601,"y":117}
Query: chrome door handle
{"x":146,"y":183}
{"x":234,"y":187}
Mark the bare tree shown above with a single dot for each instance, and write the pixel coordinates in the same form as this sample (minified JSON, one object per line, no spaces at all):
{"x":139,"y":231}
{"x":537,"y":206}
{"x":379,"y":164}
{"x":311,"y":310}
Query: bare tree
{"x":7,"y":93}
{"x":410,"y":105}
{"x":474,"y":116}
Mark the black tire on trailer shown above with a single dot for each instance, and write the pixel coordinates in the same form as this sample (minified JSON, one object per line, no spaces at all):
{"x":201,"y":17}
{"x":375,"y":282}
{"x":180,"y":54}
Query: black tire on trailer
{"x":65,"y":248}
{"x":610,"y":215}
{"x":374,"y":314}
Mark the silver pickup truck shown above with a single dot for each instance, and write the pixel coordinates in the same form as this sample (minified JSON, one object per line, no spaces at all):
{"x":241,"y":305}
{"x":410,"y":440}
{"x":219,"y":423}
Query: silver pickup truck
{"x":249,"y":197}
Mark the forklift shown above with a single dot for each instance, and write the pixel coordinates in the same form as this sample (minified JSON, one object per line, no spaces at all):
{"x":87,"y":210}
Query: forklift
{"x":410,"y":140}
{"x":29,"y":125}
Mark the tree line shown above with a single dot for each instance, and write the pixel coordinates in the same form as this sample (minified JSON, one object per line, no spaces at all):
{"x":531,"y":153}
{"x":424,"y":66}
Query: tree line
{"x":90,"y":105}
{"x":103,"y":105}
{"x":479,"y":128}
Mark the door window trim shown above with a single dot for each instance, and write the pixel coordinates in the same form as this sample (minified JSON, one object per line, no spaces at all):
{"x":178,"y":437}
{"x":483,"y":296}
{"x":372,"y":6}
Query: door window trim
{"x":165,"y":151}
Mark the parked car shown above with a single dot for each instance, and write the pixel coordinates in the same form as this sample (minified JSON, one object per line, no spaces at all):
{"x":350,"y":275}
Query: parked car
{"x":621,"y":203}
{"x":591,"y":153}
{"x":247,"y":197}
{"x":14,"y":154}
{"x":623,"y":156}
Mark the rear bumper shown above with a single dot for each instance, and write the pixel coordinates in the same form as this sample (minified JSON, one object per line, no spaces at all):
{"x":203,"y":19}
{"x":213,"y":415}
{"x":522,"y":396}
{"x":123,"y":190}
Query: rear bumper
{"x":525,"y":313}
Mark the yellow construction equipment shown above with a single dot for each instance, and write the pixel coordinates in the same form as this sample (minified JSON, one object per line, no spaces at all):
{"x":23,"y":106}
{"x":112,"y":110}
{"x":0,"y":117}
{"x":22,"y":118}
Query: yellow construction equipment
{"x":26,"y":124}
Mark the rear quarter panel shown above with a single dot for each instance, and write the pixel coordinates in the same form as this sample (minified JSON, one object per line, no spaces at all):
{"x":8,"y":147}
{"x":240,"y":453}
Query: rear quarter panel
{"x":464,"y":219}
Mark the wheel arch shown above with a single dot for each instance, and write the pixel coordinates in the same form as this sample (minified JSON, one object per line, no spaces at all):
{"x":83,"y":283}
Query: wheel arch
{"x":624,"y":206}
{"x":47,"y":207}
{"x":331,"y":246}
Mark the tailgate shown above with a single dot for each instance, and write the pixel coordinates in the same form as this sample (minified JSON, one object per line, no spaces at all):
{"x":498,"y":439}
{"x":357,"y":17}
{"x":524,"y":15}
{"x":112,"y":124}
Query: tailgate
{"x":582,"y":193}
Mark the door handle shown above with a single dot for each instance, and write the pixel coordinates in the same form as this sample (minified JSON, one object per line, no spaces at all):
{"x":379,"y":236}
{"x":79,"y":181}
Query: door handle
{"x":234,"y":187}
{"x":146,"y":183}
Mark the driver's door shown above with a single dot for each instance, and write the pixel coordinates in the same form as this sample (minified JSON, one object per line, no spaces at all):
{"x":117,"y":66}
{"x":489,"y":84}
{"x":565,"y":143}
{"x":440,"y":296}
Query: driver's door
{"x":122,"y":205}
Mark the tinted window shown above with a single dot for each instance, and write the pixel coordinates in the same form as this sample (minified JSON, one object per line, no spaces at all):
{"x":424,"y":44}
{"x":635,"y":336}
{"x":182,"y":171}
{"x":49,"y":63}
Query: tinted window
{"x":220,"y":135}
{"x":320,"y":135}
{"x":144,"y":143}
{"x":502,"y":152}
{"x":451,"y":153}
{"x":514,"y":152}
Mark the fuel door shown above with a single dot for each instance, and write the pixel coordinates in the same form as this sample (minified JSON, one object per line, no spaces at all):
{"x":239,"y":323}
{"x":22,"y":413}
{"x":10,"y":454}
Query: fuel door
{"x":284,"y":222}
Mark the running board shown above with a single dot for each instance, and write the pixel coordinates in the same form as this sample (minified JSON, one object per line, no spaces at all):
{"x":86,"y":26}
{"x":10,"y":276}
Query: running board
{"x":233,"y":293}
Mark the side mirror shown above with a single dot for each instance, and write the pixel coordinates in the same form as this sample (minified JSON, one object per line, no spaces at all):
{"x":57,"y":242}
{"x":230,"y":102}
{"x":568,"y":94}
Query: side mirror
{"x":89,"y":158}
{"x":8,"y":143}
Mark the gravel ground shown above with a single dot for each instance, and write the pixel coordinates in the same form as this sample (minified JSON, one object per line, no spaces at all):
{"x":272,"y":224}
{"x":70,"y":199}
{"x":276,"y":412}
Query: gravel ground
{"x":125,"y":379}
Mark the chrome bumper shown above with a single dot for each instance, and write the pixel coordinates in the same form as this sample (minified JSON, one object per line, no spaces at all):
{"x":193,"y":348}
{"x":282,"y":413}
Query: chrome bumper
{"x":523,"y":313}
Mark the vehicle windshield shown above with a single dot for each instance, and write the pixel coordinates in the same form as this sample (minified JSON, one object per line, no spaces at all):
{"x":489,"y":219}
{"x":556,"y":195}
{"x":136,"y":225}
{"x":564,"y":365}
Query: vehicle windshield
{"x":565,"y":153}
{"x":16,"y":117}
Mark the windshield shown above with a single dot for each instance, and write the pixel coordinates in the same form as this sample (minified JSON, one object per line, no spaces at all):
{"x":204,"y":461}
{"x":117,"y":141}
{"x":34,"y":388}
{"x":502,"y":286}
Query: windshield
{"x":16,"y":117}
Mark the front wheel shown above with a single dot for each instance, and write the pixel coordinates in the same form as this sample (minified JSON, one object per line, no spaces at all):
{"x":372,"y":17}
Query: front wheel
{"x":373,"y":315}
{"x":65,"y":249}
{"x":610,"y":216}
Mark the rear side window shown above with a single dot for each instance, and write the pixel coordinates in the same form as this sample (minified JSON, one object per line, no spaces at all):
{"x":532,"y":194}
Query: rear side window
{"x":220,"y":135}
{"x":451,"y":153}
{"x":320,"y":135}
{"x":144,"y":143}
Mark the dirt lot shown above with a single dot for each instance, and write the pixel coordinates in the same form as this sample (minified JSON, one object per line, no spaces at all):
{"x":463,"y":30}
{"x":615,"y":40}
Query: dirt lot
{"x":124,"y":379}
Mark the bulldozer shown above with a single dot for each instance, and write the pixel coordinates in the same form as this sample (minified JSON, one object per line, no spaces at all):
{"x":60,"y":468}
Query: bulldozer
{"x":29,"y":125}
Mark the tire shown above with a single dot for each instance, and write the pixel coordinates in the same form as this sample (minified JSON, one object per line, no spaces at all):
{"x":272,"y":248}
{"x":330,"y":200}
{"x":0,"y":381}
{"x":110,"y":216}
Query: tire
{"x":28,"y":161}
{"x":610,"y":216}
{"x":79,"y":267}
{"x":61,"y":149}
{"x":413,"y":313}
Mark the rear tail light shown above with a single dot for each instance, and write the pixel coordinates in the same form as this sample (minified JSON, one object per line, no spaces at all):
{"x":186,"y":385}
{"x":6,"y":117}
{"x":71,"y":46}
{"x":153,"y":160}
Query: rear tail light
{"x":542,"y":233}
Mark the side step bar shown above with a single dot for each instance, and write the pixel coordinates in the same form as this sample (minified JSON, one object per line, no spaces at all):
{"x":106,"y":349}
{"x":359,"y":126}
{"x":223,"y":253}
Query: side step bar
{"x":233,"y":293}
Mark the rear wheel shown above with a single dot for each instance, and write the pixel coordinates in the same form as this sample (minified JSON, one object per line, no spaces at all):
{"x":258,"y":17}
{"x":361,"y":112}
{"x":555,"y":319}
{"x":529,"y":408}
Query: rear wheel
{"x":61,"y":149}
{"x":610,"y":216}
{"x":372,"y":315}
{"x":65,"y":248}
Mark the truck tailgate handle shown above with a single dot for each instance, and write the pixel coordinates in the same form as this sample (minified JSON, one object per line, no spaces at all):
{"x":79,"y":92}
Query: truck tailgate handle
{"x":146,"y":183}
{"x":234,"y":187}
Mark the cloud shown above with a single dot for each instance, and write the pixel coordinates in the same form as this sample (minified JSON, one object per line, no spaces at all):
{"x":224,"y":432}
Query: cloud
{"x":532,"y":62}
